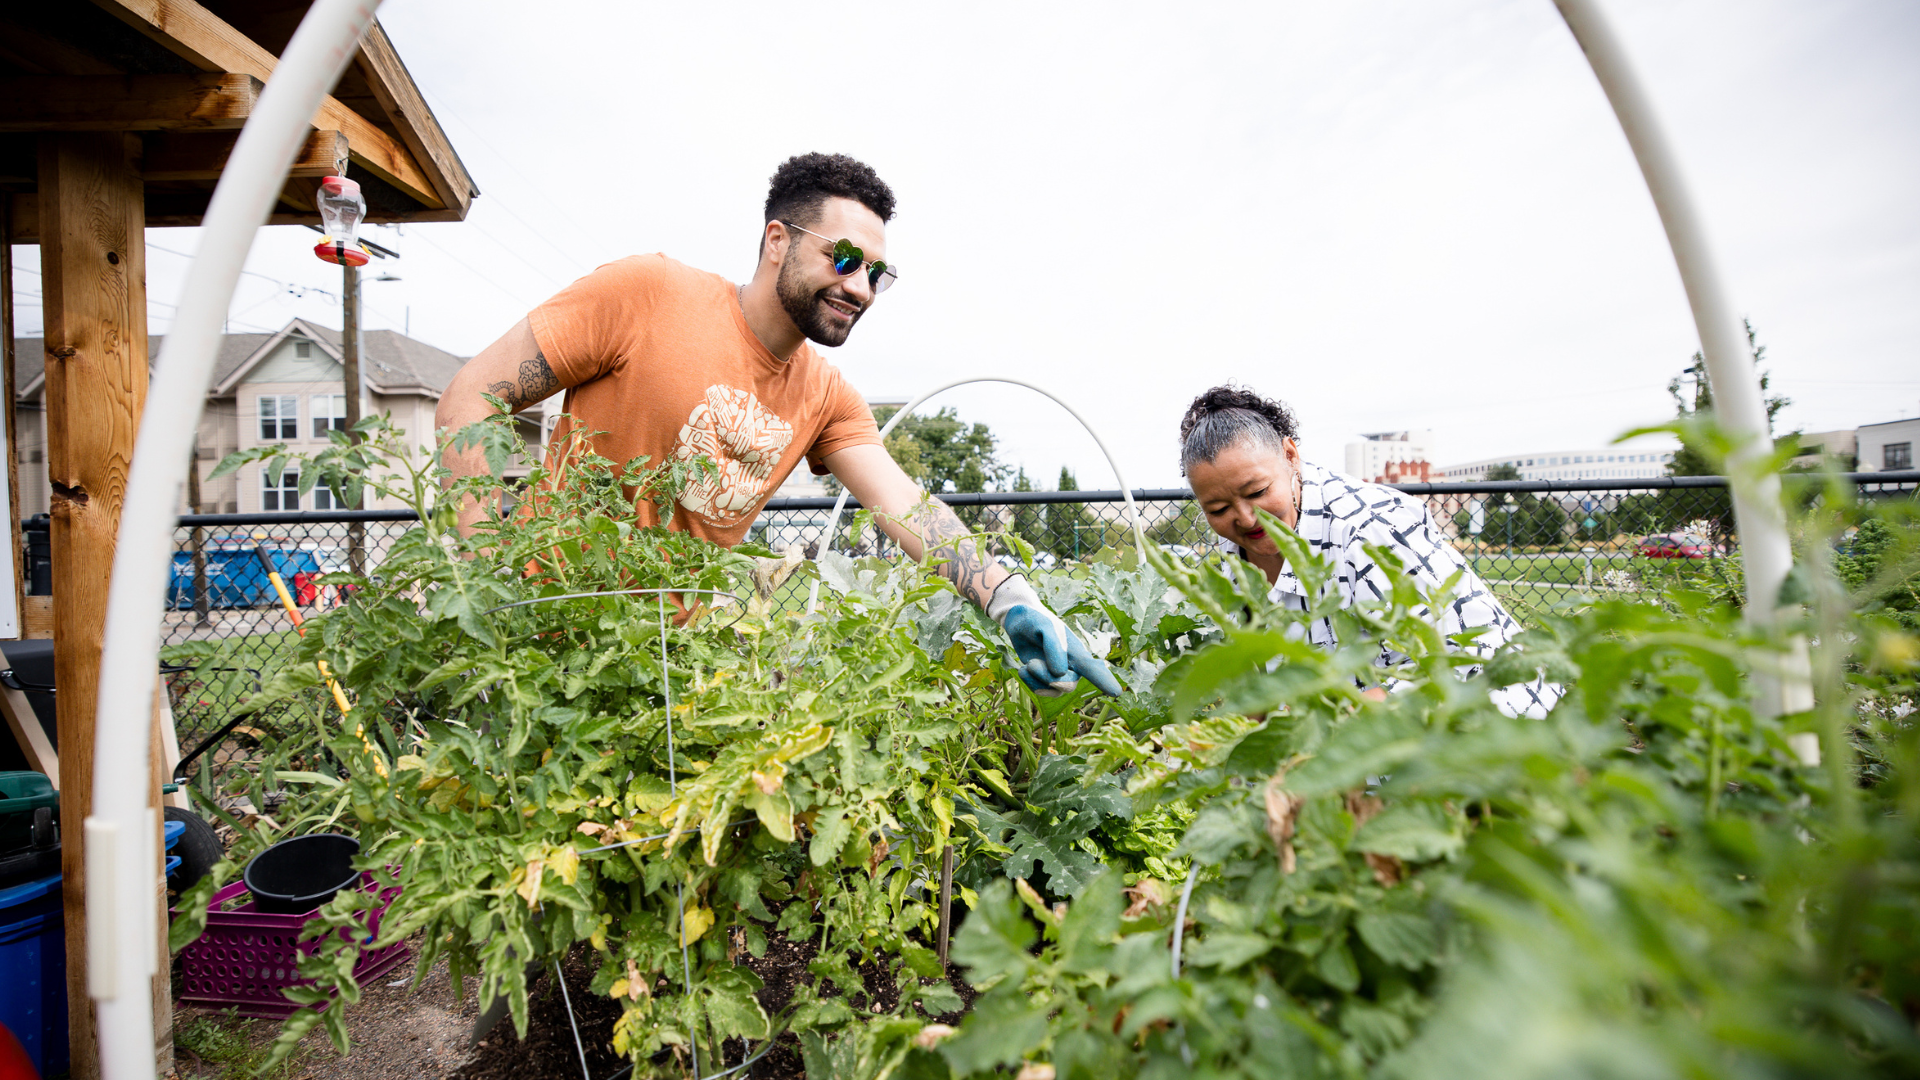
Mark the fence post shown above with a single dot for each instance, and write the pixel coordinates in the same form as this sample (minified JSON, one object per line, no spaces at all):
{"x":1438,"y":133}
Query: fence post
{"x":1588,"y":552}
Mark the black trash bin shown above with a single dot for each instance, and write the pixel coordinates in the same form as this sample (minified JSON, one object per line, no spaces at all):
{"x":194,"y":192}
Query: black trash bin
{"x":295,"y":876}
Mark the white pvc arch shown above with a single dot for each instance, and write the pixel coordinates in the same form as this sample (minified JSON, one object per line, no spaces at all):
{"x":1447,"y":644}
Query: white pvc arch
{"x":1126,"y":493}
{"x":122,"y":941}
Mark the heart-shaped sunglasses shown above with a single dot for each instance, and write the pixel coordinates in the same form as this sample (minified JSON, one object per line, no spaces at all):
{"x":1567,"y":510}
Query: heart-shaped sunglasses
{"x":847,"y":259}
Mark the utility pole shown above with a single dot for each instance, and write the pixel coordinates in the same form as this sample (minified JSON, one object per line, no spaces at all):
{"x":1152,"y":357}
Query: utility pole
{"x":350,"y":360}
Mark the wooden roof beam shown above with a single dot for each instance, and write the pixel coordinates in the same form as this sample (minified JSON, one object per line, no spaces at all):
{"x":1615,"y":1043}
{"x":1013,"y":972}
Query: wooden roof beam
{"x":201,"y":156}
{"x":126,"y":102}
{"x":208,"y":42}
{"x":400,"y":96}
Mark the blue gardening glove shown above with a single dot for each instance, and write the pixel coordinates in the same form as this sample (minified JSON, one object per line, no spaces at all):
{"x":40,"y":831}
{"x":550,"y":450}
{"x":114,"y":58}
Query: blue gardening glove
{"x":1055,"y":659}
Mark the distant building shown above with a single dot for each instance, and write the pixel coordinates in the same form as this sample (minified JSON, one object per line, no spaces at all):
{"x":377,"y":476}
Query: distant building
{"x":1610,"y":463}
{"x":285,"y":388}
{"x":1391,"y":457}
{"x":1888,"y":447}
{"x":1815,"y":445}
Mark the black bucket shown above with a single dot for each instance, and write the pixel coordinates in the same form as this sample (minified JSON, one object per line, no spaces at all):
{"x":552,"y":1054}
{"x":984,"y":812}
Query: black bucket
{"x":295,"y":876}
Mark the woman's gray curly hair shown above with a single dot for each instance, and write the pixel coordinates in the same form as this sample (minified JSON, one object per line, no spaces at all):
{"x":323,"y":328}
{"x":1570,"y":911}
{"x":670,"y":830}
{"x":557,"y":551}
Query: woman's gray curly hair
{"x":1229,"y":416}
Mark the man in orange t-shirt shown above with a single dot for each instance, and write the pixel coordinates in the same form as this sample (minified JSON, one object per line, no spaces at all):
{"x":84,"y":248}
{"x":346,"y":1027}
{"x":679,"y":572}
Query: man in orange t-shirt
{"x":672,"y":362}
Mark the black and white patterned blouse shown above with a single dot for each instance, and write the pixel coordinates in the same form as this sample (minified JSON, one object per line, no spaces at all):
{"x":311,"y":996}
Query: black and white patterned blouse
{"x":1339,"y":516}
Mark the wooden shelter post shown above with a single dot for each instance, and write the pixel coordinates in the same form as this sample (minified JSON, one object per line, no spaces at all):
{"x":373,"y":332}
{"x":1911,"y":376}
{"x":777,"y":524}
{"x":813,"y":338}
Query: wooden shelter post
{"x":93,"y":258}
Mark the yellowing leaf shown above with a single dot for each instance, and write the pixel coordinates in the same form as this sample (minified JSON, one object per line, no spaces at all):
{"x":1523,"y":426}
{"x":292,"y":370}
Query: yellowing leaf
{"x":529,"y":889}
{"x":618,"y":989}
{"x":566,"y":862}
{"x":769,"y":781}
{"x":803,"y":741}
{"x":775,"y":811}
{"x":694,"y":924}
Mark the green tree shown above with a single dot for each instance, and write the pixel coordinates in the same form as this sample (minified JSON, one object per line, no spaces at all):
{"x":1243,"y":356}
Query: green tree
{"x":948,"y":453}
{"x":1066,"y":522}
{"x":1710,"y":508}
{"x":1520,"y":518}
{"x":1697,"y":402}
{"x":1029,"y":519}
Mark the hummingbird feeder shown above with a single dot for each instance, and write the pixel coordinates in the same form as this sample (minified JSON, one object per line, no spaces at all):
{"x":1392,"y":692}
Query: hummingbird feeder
{"x":341,"y":210}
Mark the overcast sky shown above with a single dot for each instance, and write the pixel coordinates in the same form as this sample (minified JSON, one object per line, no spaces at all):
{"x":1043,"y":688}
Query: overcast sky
{"x":1390,"y":214}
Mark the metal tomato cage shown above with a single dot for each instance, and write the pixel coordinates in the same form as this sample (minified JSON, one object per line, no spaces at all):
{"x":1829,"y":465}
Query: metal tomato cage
{"x":122,"y":930}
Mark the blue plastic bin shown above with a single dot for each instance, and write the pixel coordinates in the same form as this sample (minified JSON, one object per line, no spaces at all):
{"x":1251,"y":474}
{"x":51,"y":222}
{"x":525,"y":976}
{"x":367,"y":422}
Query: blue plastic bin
{"x":33,"y":971}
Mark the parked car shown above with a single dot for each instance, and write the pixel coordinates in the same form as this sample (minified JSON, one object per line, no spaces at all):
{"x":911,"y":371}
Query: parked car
{"x":1672,"y":547}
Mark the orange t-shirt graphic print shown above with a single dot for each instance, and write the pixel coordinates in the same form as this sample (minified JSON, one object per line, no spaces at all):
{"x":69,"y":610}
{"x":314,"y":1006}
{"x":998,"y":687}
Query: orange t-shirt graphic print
{"x":658,"y":357}
{"x":745,"y":441}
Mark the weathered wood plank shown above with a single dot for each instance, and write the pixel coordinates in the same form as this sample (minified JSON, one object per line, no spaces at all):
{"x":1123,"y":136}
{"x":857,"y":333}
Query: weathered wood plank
{"x":127,"y":102}
{"x":36,"y":617}
{"x":201,"y":156}
{"x":8,"y":392}
{"x":25,"y":725}
{"x":93,"y":261}
{"x":397,"y":93}
{"x":209,"y":42}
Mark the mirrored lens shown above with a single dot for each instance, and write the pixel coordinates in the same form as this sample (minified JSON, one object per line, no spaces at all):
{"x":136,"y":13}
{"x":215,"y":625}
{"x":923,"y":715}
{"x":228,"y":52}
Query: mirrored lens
{"x":882,"y":277}
{"x":846,"y":258}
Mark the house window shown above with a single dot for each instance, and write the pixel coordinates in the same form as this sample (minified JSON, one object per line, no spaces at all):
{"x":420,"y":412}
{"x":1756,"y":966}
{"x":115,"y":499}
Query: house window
{"x":329,"y":414}
{"x":281,"y":493}
{"x":1897,"y":455}
{"x":303,"y":349}
{"x":279,"y":417}
{"x":323,"y":499}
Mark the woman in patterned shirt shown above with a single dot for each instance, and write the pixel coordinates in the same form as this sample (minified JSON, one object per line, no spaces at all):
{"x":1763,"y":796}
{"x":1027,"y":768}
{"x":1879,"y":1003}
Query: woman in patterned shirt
{"x":1239,"y":451}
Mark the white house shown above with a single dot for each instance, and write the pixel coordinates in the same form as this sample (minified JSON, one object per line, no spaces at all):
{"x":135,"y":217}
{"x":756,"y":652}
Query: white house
{"x":1888,"y":446}
{"x":285,"y":388}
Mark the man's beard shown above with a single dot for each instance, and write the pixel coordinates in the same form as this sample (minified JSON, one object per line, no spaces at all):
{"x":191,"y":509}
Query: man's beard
{"x":808,"y":310}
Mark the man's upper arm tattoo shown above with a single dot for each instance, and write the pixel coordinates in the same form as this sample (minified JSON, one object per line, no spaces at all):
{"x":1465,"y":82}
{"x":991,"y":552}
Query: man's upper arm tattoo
{"x":945,"y":537}
{"x":537,"y":380}
{"x":505,"y":392}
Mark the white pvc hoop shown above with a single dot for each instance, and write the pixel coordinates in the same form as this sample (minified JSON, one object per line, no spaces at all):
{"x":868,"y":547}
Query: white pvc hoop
{"x":1765,"y":550}
{"x":121,"y":865}
{"x":1126,"y":493}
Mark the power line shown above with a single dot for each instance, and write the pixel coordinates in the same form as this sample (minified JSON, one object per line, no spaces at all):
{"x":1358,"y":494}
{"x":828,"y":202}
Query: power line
{"x":439,"y":105}
{"x":462,"y":264}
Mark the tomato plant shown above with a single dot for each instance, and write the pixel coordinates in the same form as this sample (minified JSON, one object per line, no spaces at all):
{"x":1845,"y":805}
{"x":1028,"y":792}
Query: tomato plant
{"x":1242,"y":866}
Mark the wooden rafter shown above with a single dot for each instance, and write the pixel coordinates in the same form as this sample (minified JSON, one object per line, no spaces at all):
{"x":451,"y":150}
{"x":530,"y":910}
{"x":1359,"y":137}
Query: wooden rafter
{"x":127,"y":102}
{"x":208,"y":42}
{"x":201,"y":156}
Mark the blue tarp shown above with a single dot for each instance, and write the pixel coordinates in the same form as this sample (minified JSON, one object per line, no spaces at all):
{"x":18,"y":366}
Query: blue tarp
{"x":235,"y":578}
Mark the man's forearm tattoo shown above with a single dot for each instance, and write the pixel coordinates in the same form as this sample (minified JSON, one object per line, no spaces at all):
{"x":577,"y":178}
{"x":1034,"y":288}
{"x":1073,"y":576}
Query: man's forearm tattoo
{"x":537,"y":380}
{"x":945,"y":537}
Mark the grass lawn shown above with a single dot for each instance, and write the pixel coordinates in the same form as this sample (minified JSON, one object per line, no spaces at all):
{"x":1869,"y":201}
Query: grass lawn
{"x":1567,"y":568}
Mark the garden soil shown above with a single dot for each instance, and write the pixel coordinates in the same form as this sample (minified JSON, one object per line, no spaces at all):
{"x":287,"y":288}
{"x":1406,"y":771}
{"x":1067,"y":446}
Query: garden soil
{"x":424,"y":1033}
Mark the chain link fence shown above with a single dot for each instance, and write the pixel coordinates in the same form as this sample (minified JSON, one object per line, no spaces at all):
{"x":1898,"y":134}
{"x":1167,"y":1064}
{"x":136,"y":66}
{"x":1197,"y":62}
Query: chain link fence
{"x":1535,"y":542}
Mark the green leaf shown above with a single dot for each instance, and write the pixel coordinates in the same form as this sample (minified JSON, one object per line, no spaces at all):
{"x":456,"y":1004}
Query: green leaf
{"x":1335,"y":964}
{"x":1415,"y":831}
{"x":993,"y":942}
{"x":1227,"y":949}
{"x":830,"y":832}
{"x":1398,"y":937}
{"x":1003,"y":1029}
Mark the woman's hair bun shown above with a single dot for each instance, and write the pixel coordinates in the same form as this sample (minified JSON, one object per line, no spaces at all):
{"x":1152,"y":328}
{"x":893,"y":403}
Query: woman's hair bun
{"x":1222,"y":398}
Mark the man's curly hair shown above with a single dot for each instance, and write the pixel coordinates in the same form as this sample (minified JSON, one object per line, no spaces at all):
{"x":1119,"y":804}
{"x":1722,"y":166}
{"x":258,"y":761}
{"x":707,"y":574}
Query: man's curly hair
{"x":1226,"y":416}
{"x":803,"y":183}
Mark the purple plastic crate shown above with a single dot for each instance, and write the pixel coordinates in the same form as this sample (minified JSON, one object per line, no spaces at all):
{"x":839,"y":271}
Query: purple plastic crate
{"x":246,"y":957}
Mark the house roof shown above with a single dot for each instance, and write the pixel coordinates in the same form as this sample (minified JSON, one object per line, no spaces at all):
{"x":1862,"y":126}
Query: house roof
{"x":390,"y":363}
{"x":30,"y":359}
